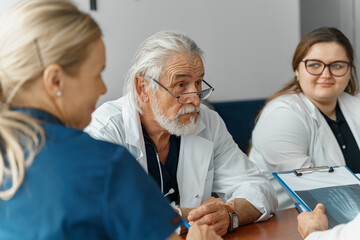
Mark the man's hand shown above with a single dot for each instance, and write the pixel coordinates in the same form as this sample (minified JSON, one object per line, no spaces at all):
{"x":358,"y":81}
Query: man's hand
{"x":309,"y":222}
{"x":212,"y":213}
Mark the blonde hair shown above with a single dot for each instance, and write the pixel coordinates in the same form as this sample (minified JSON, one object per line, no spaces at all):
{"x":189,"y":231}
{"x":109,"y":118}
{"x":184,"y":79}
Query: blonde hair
{"x":34,"y":34}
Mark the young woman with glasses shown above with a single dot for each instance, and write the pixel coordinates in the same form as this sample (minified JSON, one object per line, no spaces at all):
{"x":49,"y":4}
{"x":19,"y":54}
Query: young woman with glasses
{"x":315,"y":119}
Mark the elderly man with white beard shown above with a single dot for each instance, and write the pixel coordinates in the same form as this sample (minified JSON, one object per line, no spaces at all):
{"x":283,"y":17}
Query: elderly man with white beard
{"x":180,"y":142}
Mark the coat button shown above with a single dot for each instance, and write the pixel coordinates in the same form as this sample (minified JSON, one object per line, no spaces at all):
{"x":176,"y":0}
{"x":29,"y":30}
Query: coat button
{"x":196,"y":196}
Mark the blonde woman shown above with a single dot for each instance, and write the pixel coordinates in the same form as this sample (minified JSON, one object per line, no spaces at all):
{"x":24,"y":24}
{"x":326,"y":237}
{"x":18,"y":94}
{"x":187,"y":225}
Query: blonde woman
{"x":315,"y":119}
{"x":57,"y":182}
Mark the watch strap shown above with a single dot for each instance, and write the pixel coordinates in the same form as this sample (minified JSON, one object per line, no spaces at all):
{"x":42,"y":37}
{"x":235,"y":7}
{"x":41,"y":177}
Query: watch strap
{"x":232,"y":214}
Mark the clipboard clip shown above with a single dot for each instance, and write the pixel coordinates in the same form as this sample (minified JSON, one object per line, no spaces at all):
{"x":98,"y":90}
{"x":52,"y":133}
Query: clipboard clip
{"x":301,"y":171}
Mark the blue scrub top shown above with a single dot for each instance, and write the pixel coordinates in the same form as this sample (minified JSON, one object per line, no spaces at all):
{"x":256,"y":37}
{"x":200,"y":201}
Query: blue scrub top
{"x":81,"y":188}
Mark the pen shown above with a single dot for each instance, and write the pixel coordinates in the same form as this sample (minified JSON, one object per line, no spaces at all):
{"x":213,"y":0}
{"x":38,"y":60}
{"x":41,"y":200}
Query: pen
{"x":178,"y":211}
{"x":186,"y":224}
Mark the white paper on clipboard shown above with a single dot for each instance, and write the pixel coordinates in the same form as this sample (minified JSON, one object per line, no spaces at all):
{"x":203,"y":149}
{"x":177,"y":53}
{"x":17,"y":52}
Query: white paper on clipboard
{"x":339,"y":191}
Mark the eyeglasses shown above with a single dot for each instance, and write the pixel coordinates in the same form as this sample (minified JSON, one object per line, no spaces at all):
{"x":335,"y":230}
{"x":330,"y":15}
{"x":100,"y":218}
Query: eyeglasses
{"x":316,"y":67}
{"x":189,"y":97}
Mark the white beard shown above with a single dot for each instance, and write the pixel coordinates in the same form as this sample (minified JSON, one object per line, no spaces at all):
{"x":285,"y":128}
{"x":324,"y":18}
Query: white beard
{"x":172,"y":125}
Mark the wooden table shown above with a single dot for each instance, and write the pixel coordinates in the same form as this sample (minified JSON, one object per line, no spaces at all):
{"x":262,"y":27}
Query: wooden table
{"x":282,"y":226}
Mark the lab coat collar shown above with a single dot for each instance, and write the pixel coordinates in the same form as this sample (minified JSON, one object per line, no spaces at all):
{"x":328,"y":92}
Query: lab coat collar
{"x":325,"y":134}
{"x":131,"y":120}
{"x":134,"y":137}
{"x":314,"y":112}
{"x":201,"y":126}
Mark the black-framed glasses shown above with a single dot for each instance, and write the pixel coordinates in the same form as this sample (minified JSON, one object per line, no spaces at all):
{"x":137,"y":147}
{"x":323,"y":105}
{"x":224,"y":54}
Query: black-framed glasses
{"x":316,"y":67}
{"x":189,"y":97}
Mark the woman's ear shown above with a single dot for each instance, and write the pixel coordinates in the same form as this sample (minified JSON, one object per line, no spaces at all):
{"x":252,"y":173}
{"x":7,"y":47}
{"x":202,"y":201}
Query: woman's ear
{"x":297,"y":74}
{"x":53,"y":81}
{"x":141,"y":88}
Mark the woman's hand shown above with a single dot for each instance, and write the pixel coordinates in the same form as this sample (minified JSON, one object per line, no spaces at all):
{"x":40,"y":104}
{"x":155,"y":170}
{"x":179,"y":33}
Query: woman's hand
{"x":201,"y":232}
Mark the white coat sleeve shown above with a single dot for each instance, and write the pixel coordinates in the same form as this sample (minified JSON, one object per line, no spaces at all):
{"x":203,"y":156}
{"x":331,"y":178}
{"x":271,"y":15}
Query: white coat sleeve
{"x":236,"y":177}
{"x":280,"y":143}
{"x":347,"y":231}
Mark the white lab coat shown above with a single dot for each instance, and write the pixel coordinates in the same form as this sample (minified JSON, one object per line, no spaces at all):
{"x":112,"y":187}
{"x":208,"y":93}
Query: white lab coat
{"x":209,"y":159}
{"x":292,"y":133}
{"x":349,"y":231}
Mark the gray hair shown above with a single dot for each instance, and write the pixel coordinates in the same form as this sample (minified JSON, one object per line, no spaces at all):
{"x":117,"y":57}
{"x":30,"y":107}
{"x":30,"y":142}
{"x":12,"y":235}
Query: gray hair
{"x":151,"y":56}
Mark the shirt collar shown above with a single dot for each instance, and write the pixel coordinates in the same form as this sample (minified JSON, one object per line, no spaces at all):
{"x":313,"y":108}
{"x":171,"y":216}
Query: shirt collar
{"x":39,"y":114}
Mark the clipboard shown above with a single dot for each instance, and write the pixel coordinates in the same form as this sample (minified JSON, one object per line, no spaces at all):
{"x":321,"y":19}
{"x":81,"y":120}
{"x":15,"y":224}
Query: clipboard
{"x":337,"y":187}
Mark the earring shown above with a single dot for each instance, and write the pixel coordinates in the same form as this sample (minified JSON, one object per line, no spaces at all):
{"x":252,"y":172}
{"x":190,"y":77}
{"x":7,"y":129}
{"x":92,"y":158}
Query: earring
{"x":59,"y":93}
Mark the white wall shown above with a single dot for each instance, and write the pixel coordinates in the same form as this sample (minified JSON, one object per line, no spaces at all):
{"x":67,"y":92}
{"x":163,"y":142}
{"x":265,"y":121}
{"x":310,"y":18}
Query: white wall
{"x":248,"y":44}
{"x":356,"y":27}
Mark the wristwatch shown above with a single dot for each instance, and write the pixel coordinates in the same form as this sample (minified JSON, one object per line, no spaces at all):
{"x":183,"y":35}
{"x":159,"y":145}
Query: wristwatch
{"x":233,"y":217}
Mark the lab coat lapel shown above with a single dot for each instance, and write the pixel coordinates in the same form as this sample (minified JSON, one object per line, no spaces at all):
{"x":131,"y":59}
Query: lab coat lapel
{"x":195,"y":155}
{"x":326,"y":136}
{"x":134,"y":136}
{"x":329,"y":142}
{"x":349,"y":106}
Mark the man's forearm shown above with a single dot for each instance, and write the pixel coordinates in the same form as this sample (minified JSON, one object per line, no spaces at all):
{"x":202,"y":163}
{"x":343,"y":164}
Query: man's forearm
{"x":247,"y":212}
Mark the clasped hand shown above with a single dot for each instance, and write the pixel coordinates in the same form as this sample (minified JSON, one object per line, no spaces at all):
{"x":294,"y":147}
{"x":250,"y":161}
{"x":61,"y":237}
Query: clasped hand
{"x":212,"y":213}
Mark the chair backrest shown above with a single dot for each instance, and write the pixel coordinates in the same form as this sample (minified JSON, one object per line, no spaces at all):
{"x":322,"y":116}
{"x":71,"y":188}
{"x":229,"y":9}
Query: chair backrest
{"x":239,"y":117}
